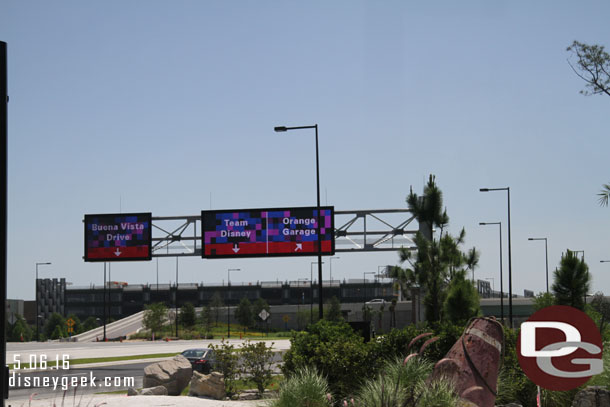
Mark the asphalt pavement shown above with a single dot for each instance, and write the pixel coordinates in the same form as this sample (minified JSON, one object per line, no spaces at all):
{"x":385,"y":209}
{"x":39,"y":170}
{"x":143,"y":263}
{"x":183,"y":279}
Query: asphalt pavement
{"x":79,"y":400}
{"x":53,"y":384}
{"x":25,"y":351}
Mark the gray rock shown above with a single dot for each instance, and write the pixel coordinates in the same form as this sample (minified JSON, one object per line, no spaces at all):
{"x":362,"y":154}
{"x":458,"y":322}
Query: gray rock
{"x":211,"y":385}
{"x":249,"y":396}
{"x":132,"y":392}
{"x":173,"y":374}
{"x":592,"y":396}
{"x":154,"y":391}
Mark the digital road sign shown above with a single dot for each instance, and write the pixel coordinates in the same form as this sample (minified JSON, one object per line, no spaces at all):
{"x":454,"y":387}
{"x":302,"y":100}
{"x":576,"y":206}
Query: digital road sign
{"x":267,"y":232}
{"x":118,"y":237}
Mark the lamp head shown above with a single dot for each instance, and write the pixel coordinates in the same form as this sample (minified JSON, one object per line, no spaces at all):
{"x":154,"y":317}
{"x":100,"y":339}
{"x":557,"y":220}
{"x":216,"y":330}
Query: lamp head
{"x":280,"y":129}
{"x":484,"y":189}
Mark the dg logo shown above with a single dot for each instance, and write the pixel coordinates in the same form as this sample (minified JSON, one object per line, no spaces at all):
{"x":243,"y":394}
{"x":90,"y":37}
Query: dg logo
{"x":560,"y":348}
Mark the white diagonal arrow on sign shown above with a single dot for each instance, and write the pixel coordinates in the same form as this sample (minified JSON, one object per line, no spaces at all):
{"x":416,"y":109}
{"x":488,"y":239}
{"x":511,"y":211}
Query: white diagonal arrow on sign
{"x":299,"y":247}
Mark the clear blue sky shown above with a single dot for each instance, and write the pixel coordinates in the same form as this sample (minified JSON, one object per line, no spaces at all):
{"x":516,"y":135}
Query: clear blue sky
{"x":153,"y":106}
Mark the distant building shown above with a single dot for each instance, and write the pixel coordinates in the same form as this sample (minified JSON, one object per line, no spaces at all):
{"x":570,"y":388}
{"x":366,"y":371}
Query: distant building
{"x":126,"y":299}
{"x":51,"y":298}
{"x":484,"y":289}
{"x":13,"y":309}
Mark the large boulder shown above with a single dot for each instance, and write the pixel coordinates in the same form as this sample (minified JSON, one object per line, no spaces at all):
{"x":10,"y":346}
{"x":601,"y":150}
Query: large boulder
{"x":173,"y":374}
{"x":592,"y":396}
{"x":211,"y":385}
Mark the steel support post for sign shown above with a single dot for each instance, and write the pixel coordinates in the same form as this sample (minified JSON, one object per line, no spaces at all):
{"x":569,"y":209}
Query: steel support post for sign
{"x":176,"y":302}
{"x":4,"y":215}
{"x":320,"y":295}
{"x":104,"y":294}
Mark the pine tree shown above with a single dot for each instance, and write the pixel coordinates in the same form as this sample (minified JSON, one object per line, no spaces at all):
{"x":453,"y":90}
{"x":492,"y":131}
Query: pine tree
{"x":216,"y":304}
{"x":572,"y":281}
{"x":243,"y":313}
{"x":437,"y":260}
{"x":187,"y":315}
{"x":334,"y":310}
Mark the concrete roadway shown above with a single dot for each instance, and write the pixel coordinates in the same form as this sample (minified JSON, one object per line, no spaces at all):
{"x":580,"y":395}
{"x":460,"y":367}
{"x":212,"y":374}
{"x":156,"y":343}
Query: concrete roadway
{"x":80,"y":350}
{"x":103,"y":375}
{"x":108,"y":376}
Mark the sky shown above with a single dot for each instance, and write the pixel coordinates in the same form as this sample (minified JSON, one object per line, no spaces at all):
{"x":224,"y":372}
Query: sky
{"x":169,"y":108}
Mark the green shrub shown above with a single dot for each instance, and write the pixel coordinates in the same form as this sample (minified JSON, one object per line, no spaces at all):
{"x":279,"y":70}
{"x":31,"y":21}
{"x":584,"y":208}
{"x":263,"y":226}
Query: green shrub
{"x":395,"y":343}
{"x":305,"y":388}
{"x":227,"y":364}
{"x":154,"y":317}
{"x":257,"y":363}
{"x":438,"y":393}
{"x":514,"y":386}
{"x":335,"y":351}
{"x":603,"y":379}
{"x":448,"y":335}
{"x":397,"y":384}
{"x":54,"y":321}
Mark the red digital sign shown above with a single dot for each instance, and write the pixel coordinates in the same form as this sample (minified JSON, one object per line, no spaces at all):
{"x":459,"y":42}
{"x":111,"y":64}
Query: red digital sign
{"x":268,"y":232}
{"x":118,"y":237}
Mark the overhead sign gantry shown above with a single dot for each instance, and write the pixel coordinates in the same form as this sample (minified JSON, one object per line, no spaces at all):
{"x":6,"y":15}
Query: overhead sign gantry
{"x":372,"y":230}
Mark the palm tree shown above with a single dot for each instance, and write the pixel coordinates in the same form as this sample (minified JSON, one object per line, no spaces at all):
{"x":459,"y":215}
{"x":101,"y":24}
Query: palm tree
{"x":572,"y":281}
{"x":604,"y":195}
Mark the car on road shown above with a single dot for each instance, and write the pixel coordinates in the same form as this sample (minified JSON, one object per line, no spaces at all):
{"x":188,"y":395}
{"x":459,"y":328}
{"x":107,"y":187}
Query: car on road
{"x":376,"y":301}
{"x":202,"y":360}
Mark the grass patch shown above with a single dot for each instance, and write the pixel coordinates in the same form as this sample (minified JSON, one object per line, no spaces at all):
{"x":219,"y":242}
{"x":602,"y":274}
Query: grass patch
{"x":83,"y":361}
{"x":119,"y":392}
{"x":241,"y":385}
{"x":216,"y":332}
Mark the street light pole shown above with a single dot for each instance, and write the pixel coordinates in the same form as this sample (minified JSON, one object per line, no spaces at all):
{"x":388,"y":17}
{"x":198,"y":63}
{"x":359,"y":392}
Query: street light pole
{"x":330,"y":260}
{"x":228,"y":297}
{"x":318,"y":227}
{"x":546,"y":251}
{"x":176,"y":297}
{"x":311,"y":291}
{"x":510,"y":266}
{"x":104,"y":295}
{"x":501,"y":278}
{"x":36,"y":294}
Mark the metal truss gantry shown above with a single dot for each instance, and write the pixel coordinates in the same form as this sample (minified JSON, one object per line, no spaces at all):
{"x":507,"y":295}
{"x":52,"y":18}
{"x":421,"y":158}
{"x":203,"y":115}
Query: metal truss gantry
{"x":367,"y":230}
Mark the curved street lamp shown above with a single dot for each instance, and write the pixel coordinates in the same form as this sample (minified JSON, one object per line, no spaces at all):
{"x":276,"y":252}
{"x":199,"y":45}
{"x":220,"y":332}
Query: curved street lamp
{"x":281,"y":129}
{"x":510,"y":268}
{"x":546,"y":251}
{"x":501,"y":278}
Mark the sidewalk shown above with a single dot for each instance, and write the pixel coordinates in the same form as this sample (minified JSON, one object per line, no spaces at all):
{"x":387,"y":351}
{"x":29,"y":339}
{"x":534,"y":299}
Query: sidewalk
{"x":133,"y":401}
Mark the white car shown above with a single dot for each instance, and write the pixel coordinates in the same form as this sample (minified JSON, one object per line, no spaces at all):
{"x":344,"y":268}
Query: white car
{"x":376,"y":301}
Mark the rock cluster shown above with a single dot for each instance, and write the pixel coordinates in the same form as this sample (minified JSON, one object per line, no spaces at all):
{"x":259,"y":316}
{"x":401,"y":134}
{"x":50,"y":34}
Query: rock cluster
{"x":211,"y":385}
{"x":173,"y":374}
